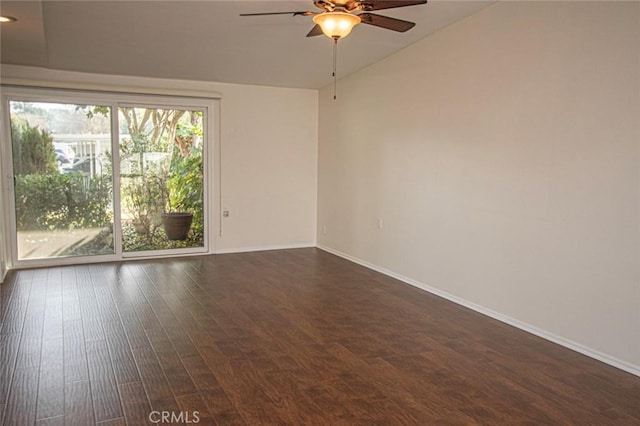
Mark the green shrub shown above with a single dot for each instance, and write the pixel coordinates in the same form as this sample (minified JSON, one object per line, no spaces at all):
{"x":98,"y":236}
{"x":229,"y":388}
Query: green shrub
{"x":144,"y":198}
{"x":62,"y":201}
{"x":33,"y":151}
{"x":186,"y":189}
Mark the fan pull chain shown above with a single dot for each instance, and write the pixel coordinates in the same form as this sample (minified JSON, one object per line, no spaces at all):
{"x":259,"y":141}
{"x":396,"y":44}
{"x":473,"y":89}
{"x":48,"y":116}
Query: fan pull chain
{"x":335,"y":66}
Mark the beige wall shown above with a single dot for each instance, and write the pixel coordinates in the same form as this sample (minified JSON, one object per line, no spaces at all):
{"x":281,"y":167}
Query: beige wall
{"x":269,"y":167}
{"x":502,"y":155}
{"x":267,"y":170}
{"x":3,"y":259}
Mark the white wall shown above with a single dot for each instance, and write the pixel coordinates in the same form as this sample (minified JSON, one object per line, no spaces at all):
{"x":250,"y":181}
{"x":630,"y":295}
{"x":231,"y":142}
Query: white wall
{"x":502,"y":155}
{"x":268,"y":162}
{"x":269,"y":166}
{"x":3,"y":260}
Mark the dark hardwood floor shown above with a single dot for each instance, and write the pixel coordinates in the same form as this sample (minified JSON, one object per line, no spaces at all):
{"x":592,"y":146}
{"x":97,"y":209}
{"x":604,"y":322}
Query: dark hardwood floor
{"x":295,"y":337}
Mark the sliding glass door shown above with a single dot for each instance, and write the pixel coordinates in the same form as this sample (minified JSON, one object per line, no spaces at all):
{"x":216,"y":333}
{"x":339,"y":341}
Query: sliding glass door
{"x":161,"y":178}
{"x":63,"y":186}
{"x":108,"y":179}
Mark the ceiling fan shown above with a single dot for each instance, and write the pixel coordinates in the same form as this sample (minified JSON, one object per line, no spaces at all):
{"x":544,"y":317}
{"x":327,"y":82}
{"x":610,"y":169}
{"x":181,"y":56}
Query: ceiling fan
{"x":338,"y":17}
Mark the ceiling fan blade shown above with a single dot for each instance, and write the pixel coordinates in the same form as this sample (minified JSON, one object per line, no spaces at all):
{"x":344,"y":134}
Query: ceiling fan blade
{"x":368,"y":5}
{"x":315,"y":31}
{"x":305,"y":13}
{"x":386,"y":22}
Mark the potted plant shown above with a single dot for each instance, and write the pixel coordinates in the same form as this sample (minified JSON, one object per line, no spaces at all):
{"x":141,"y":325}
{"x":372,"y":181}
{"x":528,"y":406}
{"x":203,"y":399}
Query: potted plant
{"x":185,"y":198}
{"x":177,"y":225}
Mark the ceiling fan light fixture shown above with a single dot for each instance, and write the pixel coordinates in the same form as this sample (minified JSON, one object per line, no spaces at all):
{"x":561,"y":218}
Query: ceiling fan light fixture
{"x":337,"y":24}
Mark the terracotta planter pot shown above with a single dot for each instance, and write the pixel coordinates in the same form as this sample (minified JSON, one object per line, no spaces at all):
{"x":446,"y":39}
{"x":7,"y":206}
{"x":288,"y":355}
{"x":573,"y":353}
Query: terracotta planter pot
{"x":177,"y":225}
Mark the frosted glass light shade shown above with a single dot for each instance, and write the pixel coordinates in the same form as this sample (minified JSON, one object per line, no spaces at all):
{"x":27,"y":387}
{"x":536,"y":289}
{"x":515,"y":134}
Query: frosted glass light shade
{"x":336,"y":24}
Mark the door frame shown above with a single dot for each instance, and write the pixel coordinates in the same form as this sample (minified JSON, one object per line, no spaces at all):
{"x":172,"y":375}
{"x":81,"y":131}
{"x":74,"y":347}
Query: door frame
{"x":211,"y":130}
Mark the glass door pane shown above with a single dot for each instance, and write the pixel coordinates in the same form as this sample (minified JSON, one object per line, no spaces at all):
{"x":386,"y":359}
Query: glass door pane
{"x":63,"y":179}
{"x":161,"y":179}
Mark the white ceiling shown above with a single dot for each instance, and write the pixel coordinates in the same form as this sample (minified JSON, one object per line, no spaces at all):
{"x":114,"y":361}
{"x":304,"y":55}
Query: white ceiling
{"x":204,"y":40}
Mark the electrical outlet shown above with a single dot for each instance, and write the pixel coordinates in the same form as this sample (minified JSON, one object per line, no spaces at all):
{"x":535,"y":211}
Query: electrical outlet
{"x":379,"y":223}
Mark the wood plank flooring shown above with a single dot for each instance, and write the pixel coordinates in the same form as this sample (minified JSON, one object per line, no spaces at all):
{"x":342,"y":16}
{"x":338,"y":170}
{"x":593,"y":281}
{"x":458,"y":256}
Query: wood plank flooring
{"x":296,"y":337}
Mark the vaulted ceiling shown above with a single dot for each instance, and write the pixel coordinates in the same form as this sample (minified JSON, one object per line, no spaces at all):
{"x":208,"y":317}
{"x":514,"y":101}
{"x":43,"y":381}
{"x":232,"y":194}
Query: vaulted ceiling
{"x":204,"y":40}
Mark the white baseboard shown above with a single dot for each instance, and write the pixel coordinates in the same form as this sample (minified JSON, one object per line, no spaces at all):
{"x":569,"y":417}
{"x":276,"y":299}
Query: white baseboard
{"x":264,"y":248}
{"x":607,"y":359}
